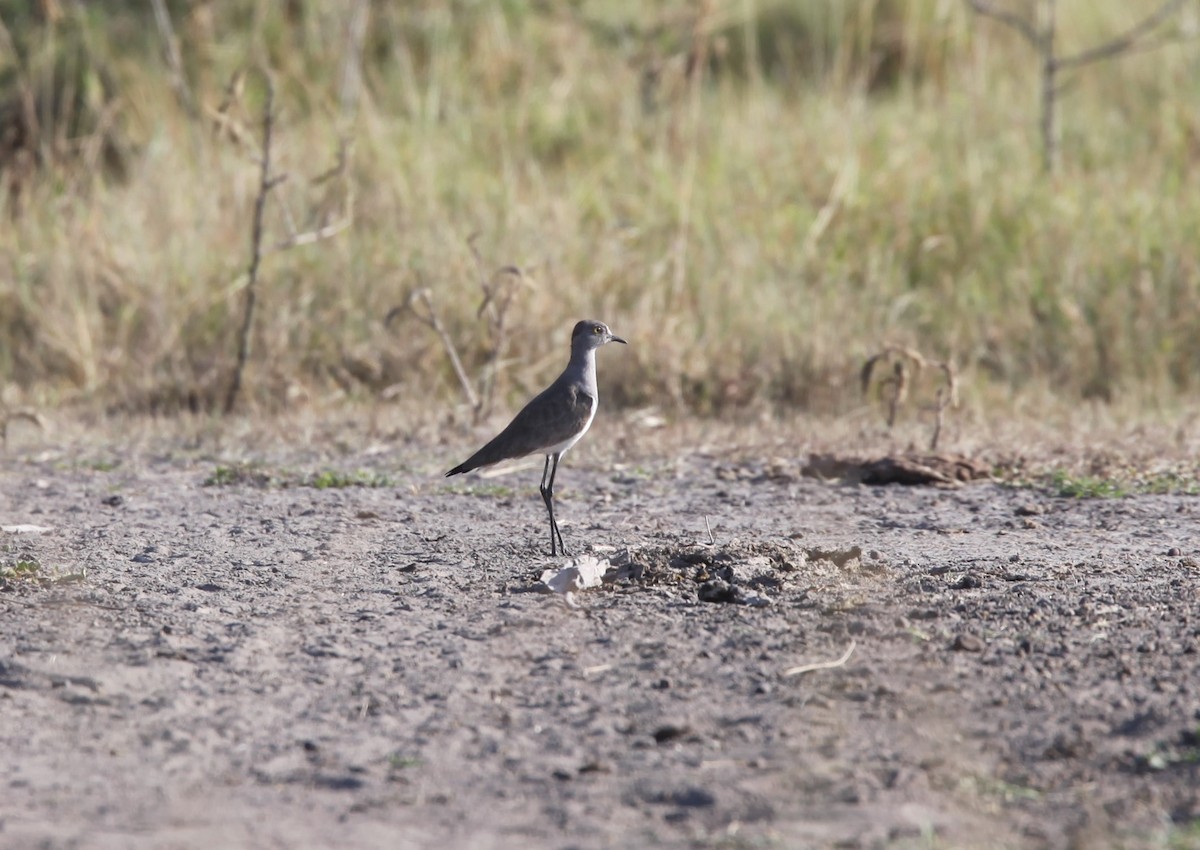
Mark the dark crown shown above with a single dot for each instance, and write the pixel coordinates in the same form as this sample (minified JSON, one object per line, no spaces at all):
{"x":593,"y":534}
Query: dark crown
{"x":584,"y":327}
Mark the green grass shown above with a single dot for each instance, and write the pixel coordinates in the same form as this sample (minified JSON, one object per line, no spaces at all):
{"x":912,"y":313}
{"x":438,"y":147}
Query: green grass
{"x":256,"y":475}
{"x":21,"y":569}
{"x":335,"y":479}
{"x":402,"y":762}
{"x":1184,"y":836}
{"x":1082,"y":486}
{"x":990,"y":786}
{"x":24,"y":570}
{"x":242,"y":474}
{"x":834,"y":176}
{"x":1086,"y":486}
{"x":1167,"y":482}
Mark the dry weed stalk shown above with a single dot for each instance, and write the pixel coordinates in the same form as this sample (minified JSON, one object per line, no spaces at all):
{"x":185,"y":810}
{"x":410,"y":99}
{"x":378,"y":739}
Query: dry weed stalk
{"x":499,"y":292}
{"x":334,"y":210}
{"x":822,"y":665}
{"x":266,"y":183}
{"x":223,"y":123}
{"x":897,"y":384}
{"x":499,"y":289}
{"x":1040,"y":30}
{"x":422,"y":299}
{"x":170,"y":40}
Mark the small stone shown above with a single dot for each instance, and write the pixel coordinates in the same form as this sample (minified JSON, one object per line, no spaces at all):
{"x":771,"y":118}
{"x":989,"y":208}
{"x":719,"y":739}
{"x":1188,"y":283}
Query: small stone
{"x":669,"y":732}
{"x":967,"y":582}
{"x":1174,"y":552}
{"x":693,"y":798}
{"x":717,"y":590}
{"x":967,"y":643}
{"x":1029,"y":509}
{"x":113,"y":501}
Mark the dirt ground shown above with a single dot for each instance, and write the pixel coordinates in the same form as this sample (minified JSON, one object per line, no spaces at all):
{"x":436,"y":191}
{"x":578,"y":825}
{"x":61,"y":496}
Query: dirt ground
{"x":201,"y":648}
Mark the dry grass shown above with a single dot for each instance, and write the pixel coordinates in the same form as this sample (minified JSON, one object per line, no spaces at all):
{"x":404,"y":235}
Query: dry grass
{"x":757,"y":215}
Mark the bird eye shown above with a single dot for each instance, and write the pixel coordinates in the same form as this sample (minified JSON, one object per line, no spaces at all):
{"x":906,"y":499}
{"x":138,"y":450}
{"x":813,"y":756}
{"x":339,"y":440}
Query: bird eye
{"x":596,"y":329}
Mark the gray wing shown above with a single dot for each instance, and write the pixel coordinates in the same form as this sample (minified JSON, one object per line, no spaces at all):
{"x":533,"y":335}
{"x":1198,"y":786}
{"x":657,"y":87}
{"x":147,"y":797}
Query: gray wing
{"x":555,"y":416}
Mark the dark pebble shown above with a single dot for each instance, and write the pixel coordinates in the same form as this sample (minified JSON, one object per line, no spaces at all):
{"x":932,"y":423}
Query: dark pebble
{"x":967,"y":643}
{"x":669,"y":732}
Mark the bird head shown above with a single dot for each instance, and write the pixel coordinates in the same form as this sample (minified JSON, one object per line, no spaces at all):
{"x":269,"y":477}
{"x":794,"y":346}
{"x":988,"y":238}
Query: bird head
{"x":592,"y":334}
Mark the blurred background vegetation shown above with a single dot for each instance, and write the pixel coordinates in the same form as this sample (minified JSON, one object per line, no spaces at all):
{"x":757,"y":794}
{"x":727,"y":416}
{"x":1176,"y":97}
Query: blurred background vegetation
{"x":758,"y":195}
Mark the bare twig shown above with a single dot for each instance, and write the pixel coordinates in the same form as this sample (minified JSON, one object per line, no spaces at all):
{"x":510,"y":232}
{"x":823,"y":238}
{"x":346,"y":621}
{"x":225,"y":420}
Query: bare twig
{"x":340,"y":164}
{"x":1042,"y":35}
{"x":327,"y":229}
{"x":339,"y":171}
{"x":947,"y":397}
{"x":222,"y":120}
{"x":1007,"y":17}
{"x":822,"y":665}
{"x":166,"y":31}
{"x":1126,"y":41}
{"x":310,"y":236}
{"x":266,"y":183}
{"x":898,"y":383}
{"x":1042,"y":40}
{"x":430,"y":318}
{"x":711,"y":540}
{"x":499,"y":289}
{"x":1049,"y":115}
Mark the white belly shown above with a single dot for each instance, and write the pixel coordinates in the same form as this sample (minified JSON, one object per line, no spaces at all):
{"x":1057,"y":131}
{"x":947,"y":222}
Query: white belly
{"x":561,"y":448}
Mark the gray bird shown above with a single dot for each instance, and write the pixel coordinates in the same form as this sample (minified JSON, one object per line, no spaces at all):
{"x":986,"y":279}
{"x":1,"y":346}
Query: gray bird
{"x":554,"y":420}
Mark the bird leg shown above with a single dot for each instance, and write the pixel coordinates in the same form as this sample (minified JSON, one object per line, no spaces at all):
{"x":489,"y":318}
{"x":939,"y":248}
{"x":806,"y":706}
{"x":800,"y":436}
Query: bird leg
{"x":547,"y":490}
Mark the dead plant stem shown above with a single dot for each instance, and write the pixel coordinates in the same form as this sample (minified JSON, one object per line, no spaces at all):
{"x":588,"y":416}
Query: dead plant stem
{"x":266,"y":182}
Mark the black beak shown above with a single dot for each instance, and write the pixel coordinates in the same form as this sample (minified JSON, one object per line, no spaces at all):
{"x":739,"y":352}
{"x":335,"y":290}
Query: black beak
{"x":613,"y":338}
